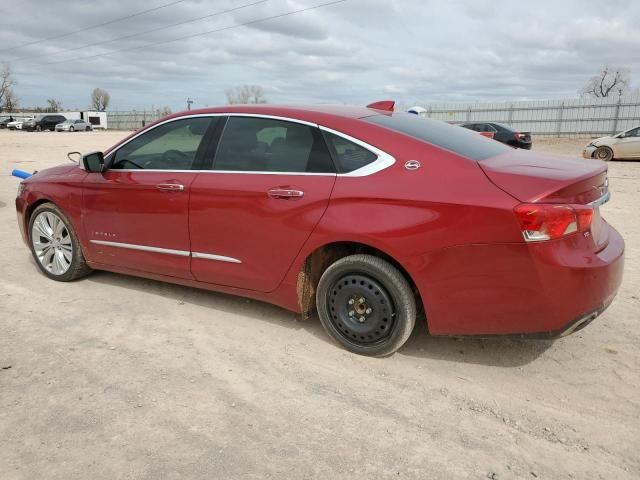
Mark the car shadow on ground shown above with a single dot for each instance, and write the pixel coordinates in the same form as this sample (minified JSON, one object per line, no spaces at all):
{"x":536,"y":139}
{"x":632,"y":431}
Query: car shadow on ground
{"x":498,"y":351}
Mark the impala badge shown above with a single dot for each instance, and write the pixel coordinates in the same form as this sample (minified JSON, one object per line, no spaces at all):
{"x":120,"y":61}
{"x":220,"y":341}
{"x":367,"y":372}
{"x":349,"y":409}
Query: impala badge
{"x":412,"y":165}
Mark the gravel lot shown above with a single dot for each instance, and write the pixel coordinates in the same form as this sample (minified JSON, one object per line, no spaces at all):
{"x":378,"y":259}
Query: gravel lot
{"x":120,"y":377}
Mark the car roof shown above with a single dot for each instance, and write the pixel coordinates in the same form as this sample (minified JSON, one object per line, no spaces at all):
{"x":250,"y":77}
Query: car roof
{"x":309,"y":113}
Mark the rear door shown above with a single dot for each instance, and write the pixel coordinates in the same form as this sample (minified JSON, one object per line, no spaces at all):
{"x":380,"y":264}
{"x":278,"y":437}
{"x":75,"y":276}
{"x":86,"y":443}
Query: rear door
{"x":136,"y":213}
{"x":267,"y":189}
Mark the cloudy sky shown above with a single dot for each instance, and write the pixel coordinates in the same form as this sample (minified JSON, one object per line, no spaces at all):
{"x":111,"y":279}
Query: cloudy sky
{"x":353,"y":51}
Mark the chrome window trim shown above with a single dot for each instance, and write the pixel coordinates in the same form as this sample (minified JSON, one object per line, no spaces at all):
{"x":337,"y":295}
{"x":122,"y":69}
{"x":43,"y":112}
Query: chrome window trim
{"x":144,"y":248}
{"x":383,"y":161}
{"x":211,"y":256}
{"x":253,"y":172}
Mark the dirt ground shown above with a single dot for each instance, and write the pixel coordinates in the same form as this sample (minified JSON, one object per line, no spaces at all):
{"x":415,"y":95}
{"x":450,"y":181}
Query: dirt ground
{"x":120,"y":377}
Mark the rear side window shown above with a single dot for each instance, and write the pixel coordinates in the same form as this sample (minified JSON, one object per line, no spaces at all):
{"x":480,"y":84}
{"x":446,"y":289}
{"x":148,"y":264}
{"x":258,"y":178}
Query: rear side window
{"x":348,"y":155}
{"x":268,"y":145}
{"x":450,"y":137}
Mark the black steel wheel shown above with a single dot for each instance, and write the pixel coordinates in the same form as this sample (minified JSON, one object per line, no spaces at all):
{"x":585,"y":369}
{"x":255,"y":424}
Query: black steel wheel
{"x":366,"y":304}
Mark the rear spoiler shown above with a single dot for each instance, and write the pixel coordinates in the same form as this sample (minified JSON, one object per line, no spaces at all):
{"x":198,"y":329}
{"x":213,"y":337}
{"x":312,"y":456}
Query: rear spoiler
{"x":384,"y":105}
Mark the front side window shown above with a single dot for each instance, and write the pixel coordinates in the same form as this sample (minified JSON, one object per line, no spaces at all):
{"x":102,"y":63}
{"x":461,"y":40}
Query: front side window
{"x":171,"y":146}
{"x":348,"y":155}
{"x":633,"y":133}
{"x":252,"y":144}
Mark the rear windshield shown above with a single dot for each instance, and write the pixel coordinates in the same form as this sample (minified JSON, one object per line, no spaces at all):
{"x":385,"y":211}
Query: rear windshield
{"x":450,"y":137}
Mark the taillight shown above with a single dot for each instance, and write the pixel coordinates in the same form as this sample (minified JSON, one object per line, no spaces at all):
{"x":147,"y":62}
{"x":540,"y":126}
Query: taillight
{"x":546,"y":221}
{"x":519,"y":136}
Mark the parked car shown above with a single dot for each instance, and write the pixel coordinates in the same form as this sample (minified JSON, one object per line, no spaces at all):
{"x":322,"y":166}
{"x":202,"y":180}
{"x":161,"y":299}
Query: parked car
{"x":501,"y":133}
{"x":373,"y":217}
{"x":43,"y":122}
{"x":624,"y":145}
{"x":17,"y":124}
{"x":73,"y":126}
{"x":5,"y":121}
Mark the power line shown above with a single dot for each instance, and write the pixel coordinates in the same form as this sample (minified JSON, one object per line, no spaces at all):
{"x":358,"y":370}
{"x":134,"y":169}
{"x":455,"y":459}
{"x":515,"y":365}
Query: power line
{"x":68,"y":34}
{"x":64,"y":50}
{"x":217,"y":30}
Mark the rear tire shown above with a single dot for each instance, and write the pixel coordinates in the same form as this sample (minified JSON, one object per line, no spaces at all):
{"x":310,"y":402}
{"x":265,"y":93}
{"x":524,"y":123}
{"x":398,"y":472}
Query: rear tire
{"x":55,"y":246}
{"x":603,"y":153}
{"x":366,"y":305}
{"x":71,"y":129}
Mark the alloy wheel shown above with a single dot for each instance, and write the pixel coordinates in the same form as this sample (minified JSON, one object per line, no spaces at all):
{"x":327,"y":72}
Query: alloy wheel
{"x":52,"y":243}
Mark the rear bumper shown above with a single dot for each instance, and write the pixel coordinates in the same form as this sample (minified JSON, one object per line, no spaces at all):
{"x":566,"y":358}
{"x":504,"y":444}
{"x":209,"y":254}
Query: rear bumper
{"x":542,"y":290}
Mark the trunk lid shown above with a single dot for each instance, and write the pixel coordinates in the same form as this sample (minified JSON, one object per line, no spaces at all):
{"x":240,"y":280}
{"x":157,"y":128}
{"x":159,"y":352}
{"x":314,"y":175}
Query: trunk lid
{"x":534,"y":178}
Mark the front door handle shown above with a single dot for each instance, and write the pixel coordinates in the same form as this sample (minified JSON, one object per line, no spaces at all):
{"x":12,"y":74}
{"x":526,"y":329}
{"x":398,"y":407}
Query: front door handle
{"x":285,"y":193}
{"x":170,"y":187}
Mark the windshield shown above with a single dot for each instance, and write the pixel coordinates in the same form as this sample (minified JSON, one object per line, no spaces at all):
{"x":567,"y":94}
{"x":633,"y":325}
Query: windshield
{"x":454,"y":138}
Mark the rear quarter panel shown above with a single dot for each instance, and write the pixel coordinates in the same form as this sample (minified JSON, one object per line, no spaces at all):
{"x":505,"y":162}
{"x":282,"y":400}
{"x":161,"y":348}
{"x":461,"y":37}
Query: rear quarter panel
{"x":415,"y":216}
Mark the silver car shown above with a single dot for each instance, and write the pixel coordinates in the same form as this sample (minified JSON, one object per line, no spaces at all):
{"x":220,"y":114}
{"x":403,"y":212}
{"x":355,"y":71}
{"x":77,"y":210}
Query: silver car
{"x":622,"y":145}
{"x":74,"y":126}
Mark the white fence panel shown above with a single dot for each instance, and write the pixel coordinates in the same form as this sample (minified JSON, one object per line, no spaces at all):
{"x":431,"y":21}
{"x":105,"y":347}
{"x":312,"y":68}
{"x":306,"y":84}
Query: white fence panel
{"x":576,"y":116}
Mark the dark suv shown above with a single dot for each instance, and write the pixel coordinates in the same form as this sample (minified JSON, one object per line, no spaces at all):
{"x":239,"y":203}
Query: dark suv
{"x":45,"y":122}
{"x":502,"y":133}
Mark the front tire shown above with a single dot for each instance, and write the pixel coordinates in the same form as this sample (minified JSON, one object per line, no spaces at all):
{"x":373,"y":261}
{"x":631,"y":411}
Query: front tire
{"x":366,"y":305}
{"x":71,"y":129}
{"x":55,"y":246}
{"x":603,"y":153}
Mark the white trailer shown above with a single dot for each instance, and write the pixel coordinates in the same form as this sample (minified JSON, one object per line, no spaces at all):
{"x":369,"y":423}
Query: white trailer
{"x":98,"y":120}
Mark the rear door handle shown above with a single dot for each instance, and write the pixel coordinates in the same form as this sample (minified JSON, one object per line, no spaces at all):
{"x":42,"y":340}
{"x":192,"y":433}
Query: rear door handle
{"x":170,"y":187}
{"x":285,"y":193}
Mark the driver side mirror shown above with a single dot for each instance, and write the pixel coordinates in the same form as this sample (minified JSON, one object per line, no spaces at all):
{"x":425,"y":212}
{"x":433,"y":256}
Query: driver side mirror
{"x":621,"y":135}
{"x":93,"y":162}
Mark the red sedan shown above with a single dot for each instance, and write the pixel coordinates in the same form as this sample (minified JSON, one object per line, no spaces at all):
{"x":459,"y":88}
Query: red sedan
{"x":372,"y":217}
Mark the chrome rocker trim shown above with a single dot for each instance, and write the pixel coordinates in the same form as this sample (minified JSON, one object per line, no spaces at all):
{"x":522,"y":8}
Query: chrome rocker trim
{"x":167,"y":251}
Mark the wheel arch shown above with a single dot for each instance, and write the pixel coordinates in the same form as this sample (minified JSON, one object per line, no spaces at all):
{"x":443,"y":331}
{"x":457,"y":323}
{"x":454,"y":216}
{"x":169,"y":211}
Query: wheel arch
{"x":30,"y":209}
{"x":322,"y":256}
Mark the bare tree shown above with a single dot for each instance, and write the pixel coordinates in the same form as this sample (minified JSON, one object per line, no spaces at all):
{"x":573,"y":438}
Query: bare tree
{"x":100,"y":99}
{"x":246,"y":94}
{"x":6,"y":84}
{"x":607,"y":82}
{"x":54,"y":105}
{"x":10,"y":102}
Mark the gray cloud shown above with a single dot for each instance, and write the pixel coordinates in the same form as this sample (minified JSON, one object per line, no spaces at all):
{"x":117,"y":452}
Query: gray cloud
{"x":353,"y":52}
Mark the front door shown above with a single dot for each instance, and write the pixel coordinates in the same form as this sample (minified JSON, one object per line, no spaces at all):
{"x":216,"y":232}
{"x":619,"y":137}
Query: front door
{"x":251,"y":214}
{"x":629,"y":146}
{"x":135,"y":214}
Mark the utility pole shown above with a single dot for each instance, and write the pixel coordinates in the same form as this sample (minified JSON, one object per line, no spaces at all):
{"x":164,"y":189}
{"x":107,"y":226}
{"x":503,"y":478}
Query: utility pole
{"x":189,"y":102}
